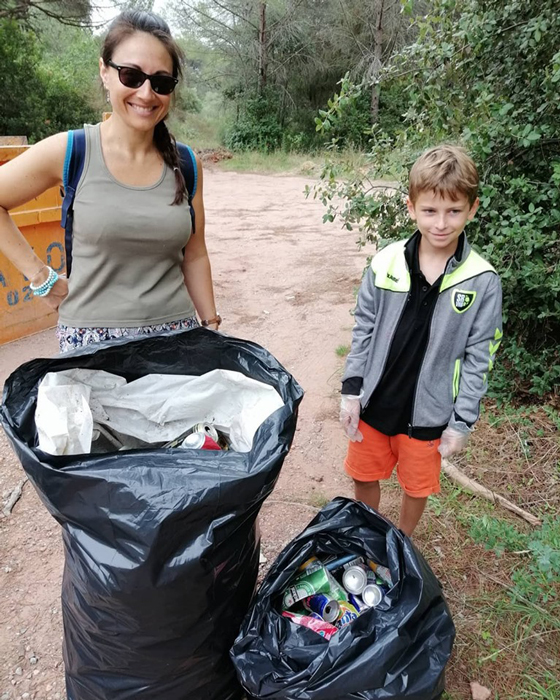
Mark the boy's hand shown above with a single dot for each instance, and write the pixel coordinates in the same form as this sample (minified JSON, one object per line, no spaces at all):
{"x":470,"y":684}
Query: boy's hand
{"x":350,"y":417}
{"x":452,"y":441}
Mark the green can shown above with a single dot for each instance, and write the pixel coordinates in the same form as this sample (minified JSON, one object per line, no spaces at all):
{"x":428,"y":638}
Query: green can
{"x":305,"y":585}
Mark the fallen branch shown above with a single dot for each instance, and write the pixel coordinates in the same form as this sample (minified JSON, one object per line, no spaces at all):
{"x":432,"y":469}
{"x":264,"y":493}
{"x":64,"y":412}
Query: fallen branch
{"x":456,"y":475}
{"x":278,"y":501}
{"x":14,"y":497}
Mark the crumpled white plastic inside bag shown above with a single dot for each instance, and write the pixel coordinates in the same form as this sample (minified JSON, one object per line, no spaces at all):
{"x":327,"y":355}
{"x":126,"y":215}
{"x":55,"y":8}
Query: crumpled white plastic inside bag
{"x":155,"y":408}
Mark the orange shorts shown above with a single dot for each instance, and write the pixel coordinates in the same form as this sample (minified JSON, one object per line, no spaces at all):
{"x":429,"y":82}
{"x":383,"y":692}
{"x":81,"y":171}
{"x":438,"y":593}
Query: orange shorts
{"x":419,"y":462}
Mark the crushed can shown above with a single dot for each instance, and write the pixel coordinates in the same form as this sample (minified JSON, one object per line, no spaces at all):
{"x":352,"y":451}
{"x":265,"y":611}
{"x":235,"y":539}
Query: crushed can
{"x":325,"y":629}
{"x":381,"y":571}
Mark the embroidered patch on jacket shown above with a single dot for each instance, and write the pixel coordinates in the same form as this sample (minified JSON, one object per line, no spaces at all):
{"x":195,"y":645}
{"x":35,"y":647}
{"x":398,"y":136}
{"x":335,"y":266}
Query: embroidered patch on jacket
{"x":462,"y":300}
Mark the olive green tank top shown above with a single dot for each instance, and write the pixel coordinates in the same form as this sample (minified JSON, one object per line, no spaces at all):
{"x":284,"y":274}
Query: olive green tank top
{"x":127,"y":249}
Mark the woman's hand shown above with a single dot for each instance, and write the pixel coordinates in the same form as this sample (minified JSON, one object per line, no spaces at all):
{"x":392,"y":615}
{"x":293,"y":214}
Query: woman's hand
{"x":58,"y":293}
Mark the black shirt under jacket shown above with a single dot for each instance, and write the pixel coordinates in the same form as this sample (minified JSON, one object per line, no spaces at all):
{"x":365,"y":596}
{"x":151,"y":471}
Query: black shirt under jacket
{"x":389,"y":409}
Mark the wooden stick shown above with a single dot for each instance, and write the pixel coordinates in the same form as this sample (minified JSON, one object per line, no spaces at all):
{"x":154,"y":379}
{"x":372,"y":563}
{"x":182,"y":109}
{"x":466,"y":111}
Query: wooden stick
{"x":14,"y":497}
{"x":456,"y":475}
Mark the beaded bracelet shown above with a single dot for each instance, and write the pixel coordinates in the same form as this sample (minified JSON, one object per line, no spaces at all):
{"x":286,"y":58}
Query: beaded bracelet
{"x":43,"y":289}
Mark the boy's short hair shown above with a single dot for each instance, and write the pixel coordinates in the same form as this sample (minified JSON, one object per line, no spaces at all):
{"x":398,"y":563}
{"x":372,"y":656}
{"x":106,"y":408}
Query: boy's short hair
{"x":446,"y":170}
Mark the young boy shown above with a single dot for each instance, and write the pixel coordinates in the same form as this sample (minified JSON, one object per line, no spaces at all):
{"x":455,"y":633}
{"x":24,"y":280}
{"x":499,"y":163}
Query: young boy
{"x":428,"y":323}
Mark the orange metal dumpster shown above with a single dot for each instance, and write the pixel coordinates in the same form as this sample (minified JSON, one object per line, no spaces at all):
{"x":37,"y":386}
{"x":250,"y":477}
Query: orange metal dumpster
{"x":39,"y":220}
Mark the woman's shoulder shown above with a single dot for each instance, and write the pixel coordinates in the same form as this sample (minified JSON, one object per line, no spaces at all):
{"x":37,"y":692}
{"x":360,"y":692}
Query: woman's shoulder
{"x":45,"y":155}
{"x":35,"y":170}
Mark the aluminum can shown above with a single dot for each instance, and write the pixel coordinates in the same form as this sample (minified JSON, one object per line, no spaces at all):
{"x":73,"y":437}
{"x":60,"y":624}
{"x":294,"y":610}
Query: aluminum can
{"x":314,"y":615}
{"x":310,"y":565}
{"x":336,"y":590}
{"x":348,"y":613}
{"x":382,"y":571}
{"x":357,"y":602}
{"x":372,"y":595}
{"x":372,"y":577}
{"x":206,"y":429}
{"x":307,"y":562}
{"x":304,"y":586}
{"x":338,"y":562}
{"x":325,"y":629}
{"x":327,"y":608}
{"x":199,"y":441}
{"x":354,"y":579}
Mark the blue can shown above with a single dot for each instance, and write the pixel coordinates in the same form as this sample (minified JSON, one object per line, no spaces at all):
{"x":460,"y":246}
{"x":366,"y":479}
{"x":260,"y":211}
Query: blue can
{"x":326,"y":607}
{"x":357,"y":602}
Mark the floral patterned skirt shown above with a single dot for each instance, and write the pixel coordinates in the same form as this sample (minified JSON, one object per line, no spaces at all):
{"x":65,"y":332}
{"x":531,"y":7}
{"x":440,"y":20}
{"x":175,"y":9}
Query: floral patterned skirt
{"x":70,"y":337}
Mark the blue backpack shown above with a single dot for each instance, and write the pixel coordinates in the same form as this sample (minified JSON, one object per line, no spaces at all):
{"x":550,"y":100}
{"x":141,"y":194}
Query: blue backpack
{"x":74,"y":165}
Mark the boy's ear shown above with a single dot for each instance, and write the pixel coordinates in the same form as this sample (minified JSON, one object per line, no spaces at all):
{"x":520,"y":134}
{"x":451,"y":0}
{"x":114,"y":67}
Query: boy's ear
{"x":410,"y":207}
{"x":473,"y":209}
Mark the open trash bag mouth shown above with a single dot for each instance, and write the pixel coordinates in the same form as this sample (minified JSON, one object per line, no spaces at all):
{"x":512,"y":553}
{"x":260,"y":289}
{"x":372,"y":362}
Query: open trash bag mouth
{"x":395,"y":650}
{"x":161,"y":549}
{"x":78,"y":406}
{"x":150,"y":401}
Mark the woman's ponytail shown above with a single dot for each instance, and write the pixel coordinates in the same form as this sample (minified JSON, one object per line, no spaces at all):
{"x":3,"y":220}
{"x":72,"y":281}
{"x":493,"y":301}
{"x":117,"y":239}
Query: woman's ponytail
{"x":166,"y":145}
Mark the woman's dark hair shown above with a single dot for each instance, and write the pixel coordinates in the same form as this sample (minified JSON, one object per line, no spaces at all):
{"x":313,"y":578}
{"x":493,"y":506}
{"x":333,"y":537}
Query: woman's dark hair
{"x":123,"y":26}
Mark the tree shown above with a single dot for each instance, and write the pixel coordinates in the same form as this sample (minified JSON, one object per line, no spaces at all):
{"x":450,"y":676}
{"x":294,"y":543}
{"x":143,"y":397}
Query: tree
{"x":41,"y":101}
{"x":74,"y":12}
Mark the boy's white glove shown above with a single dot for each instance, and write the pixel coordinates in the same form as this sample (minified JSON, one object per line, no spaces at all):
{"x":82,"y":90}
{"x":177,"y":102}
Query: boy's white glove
{"x":452,"y":441}
{"x":350,"y":416}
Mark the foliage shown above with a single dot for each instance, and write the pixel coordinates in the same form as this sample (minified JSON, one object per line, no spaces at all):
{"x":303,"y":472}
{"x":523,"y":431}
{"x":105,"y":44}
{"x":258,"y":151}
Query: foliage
{"x":71,"y":54}
{"x":71,"y":12}
{"x":485,"y":75}
{"x":537,"y":578}
{"x":258,"y":127}
{"x":305,"y":49}
{"x":40,"y":101}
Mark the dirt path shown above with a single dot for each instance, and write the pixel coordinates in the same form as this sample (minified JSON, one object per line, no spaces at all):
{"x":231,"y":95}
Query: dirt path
{"x":284,"y":280}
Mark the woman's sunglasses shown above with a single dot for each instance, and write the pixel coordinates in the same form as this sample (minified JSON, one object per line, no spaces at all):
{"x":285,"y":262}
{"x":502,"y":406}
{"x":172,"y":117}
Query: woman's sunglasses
{"x":134,"y":78}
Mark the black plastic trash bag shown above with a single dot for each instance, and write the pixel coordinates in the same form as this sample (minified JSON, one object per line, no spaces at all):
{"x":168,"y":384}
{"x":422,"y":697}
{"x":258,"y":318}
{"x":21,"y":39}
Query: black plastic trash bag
{"x":161,"y":554}
{"x":396,"y":650}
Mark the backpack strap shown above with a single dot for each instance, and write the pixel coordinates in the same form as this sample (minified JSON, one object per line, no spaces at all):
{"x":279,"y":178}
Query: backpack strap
{"x":190,"y":173}
{"x":71,"y":173}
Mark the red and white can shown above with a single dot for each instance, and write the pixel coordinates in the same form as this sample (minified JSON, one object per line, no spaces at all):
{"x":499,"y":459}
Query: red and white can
{"x":199,"y":441}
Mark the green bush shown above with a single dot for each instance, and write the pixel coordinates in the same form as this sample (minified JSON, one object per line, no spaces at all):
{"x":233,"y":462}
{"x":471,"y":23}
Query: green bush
{"x":35,"y":101}
{"x":258,"y":127}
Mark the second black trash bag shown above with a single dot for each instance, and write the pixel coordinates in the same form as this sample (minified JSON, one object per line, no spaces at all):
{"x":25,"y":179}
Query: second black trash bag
{"x":161,"y":554}
{"x":396,"y":651}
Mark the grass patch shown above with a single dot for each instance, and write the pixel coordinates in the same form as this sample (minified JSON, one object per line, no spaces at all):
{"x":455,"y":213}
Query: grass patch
{"x":281,"y":162}
{"x":273,"y":163}
{"x":501,"y":576}
{"x":318,"y":500}
{"x":342,"y":350}
{"x":198,"y":130}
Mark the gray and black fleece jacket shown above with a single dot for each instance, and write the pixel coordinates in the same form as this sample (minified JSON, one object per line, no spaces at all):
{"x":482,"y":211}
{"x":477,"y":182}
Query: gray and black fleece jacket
{"x":465,"y":333}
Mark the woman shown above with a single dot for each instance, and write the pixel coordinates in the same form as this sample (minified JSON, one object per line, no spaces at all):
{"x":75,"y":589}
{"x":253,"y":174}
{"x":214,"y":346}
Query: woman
{"x":138,"y":267}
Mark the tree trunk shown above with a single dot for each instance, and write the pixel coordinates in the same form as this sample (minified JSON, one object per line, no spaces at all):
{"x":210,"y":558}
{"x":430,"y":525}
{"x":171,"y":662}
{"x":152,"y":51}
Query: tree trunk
{"x":262,"y":47}
{"x":376,"y":59}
